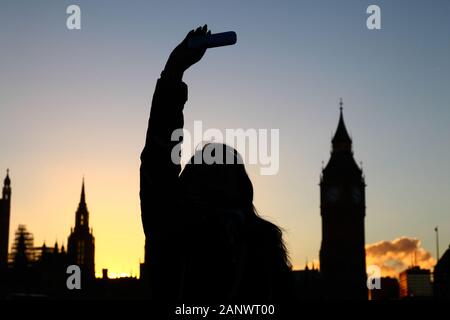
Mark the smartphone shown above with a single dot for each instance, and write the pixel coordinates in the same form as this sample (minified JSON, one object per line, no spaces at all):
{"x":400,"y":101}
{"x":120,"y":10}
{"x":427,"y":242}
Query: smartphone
{"x":213,"y":40}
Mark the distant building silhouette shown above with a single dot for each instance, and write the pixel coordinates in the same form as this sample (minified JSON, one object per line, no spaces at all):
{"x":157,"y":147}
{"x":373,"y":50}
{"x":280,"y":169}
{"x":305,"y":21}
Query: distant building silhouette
{"x":80,"y":245}
{"x":342,"y":201}
{"x":415,"y":283}
{"x":51,"y":264}
{"x":144,"y":266}
{"x":34,"y":272}
{"x":307,"y":284}
{"x":22,"y":259}
{"x":5,"y":213}
{"x":442,"y":277}
{"x":389,"y":290}
{"x":39,"y":272}
{"x":23,"y":251}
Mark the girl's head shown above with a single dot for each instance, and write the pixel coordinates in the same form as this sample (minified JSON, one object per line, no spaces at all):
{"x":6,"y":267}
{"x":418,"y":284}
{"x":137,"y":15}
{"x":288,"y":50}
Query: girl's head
{"x":219,"y":193}
{"x":216,"y":177}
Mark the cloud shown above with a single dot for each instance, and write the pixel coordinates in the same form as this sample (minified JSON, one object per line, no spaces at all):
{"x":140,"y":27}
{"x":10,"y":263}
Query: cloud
{"x":392,"y":257}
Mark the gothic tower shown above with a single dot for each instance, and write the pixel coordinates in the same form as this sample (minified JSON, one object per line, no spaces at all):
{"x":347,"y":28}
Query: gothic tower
{"x":5,"y":211}
{"x":342,"y":203}
{"x":80,"y":246}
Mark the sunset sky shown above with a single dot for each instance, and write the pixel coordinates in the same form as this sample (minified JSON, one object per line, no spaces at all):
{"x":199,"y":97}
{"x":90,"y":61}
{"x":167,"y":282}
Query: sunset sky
{"x":76,"y":103}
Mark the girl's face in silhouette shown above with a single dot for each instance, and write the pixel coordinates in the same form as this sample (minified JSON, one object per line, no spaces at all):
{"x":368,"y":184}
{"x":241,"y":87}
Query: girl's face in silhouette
{"x":206,"y":185}
{"x":219,"y":186}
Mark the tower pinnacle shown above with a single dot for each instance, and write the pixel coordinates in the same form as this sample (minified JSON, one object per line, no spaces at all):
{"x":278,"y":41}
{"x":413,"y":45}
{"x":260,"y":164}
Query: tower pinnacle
{"x":7,"y":181}
{"x":83,"y":197}
{"x":341,"y":140}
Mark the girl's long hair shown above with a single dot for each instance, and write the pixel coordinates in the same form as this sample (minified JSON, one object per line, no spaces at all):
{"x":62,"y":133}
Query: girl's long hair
{"x":226,"y":186}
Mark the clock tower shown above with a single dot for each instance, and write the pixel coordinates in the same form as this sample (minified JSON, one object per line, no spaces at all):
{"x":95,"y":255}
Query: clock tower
{"x":342,"y":207}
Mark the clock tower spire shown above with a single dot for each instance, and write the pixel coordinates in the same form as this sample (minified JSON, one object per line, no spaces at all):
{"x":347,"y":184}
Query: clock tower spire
{"x":342,"y":207}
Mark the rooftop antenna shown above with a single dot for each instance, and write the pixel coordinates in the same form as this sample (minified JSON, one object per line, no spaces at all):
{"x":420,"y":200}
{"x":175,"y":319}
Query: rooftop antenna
{"x":437,"y":243}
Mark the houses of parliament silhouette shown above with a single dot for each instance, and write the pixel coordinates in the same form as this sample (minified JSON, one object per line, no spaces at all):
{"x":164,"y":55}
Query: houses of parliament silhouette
{"x":29,"y":269}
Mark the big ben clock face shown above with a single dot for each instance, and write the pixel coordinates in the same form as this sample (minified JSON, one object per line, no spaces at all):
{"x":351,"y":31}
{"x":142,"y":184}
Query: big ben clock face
{"x":356,"y":195}
{"x":332,"y":194}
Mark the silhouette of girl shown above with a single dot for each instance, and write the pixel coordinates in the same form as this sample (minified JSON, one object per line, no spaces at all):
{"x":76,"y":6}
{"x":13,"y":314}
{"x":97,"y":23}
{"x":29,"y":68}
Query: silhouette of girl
{"x":204,"y":239}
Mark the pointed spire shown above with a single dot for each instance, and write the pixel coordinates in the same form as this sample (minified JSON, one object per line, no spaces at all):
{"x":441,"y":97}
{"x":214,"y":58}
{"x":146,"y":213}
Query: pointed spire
{"x":82,"y":214}
{"x":83,"y":197}
{"x":341,"y":140}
